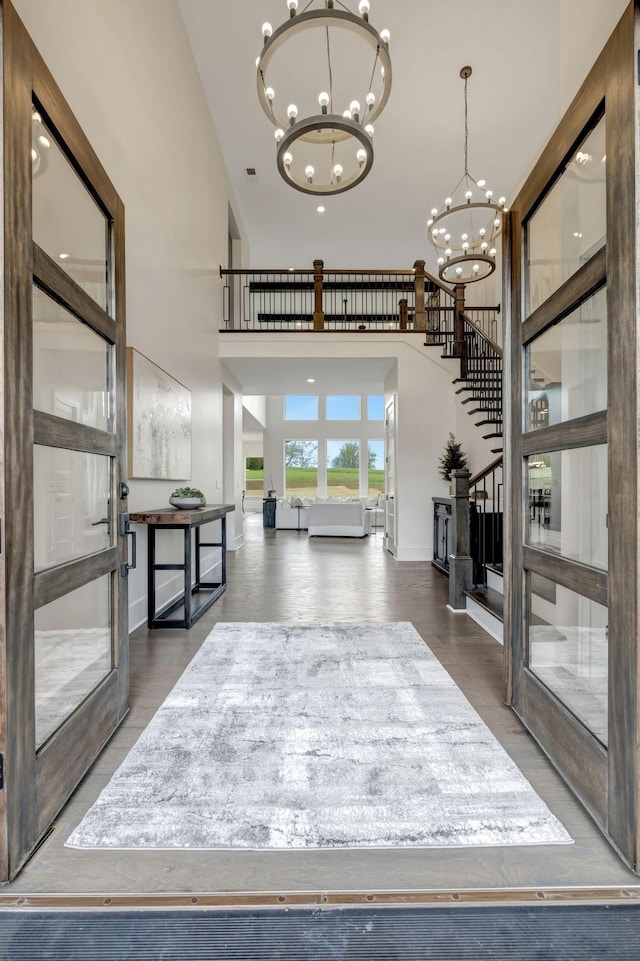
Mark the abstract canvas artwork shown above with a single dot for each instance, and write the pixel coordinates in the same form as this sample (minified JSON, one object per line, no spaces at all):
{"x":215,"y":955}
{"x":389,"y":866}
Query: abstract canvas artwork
{"x":159,"y":415}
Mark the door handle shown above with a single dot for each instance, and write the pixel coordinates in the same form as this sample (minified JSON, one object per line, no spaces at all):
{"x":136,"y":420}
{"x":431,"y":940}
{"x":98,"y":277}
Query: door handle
{"x":126,"y":531}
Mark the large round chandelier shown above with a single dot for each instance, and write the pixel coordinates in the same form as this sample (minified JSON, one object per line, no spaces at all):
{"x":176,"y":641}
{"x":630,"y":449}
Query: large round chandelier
{"x":323,"y":133}
{"x":465,"y":230}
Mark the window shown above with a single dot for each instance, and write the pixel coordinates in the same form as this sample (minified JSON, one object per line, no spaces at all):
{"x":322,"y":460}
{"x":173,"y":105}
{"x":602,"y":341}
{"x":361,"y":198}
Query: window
{"x":343,"y":407}
{"x":375,"y":407}
{"x":343,"y":468}
{"x":301,"y":468}
{"x":375,"y":467}
{"x":254,"y":475}
{"x":300,"y":407}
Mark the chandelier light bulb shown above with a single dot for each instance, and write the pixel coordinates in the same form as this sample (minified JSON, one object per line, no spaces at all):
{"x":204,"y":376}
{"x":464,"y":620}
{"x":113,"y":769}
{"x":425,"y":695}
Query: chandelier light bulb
{"x":482,"y":231}
{"x":370,"y":99}
{"x":363,"y":7}
{"x":434,"y":212}
{"x":309,"y":171}
{"x":448,"y":202}
{"x":293,"y":6}
{"x":496,"y":222}
{"x":465,"y":246}
{"x":279,"y":134}
{"x":447,"y":237}
{"x":354,"y":107}
{"x":489,"y":194}
{"x":287,"y":159}
{"x":338,"y":170}
{"x":292,"y":112}
{"x":440,"y":261}
{"x":269,"y":94}
{"x":361,"y":156}
{"x":448,"y":252}
{"x":502,"y":201}
{"x":267,"y":30}
{"x":476,"y":268}
{"x":44,"y":141}
{"x":385,"y":35}
{"x":323,"y":100}
{"x":347,"y":114}
{"x":369,"y":129}
{"x":492,"y":252}
{"x":429,"y":221}
{"x":435,"y":232}
{"x":484,"y":246}
{"x":468,"y":195}
{"x":465,"y":236}
{"x":459,"y":271}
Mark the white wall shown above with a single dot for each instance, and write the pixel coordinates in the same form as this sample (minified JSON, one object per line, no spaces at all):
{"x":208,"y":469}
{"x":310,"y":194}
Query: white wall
{"x":127,"y":71}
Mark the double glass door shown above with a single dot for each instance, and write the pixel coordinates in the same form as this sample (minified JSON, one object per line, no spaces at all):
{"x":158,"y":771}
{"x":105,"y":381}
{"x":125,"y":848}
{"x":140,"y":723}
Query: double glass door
{"x":65,"y":653}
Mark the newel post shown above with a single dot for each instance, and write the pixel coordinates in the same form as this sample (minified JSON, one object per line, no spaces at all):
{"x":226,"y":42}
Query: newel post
{"x":460,"y":560}
{"x":421,"y":314}
{"x":318,"y":312}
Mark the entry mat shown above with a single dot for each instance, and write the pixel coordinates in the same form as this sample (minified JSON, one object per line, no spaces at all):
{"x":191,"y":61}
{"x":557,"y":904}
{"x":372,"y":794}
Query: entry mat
{"x":520,"y":933}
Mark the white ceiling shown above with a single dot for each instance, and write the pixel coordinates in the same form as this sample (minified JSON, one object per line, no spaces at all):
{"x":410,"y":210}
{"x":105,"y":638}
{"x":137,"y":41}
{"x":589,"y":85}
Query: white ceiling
{"x":528,"y":59}
{"x":332,"y":375}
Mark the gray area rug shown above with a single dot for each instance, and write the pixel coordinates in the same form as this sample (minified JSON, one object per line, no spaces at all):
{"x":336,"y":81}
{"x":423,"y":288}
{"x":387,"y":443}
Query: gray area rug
{"x":321,"y":736}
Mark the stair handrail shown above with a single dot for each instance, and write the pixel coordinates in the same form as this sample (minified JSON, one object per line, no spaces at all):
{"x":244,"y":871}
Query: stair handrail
{"x":481,"y":333}
{"x":486,"y":471}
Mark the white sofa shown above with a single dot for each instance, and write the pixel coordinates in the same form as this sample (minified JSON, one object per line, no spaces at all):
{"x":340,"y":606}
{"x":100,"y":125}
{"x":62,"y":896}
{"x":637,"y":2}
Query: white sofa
{"x":355,"y":516}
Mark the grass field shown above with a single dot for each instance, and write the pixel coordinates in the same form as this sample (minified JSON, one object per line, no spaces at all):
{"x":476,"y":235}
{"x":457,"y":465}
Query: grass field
{"x":304,"y":480}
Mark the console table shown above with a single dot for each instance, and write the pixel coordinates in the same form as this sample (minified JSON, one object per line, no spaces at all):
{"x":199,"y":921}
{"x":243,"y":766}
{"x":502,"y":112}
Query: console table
{"x":197,"y":598}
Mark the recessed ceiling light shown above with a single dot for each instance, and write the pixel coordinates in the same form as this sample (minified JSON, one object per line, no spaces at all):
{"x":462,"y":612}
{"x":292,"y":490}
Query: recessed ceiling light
{"x":320,"y":209}
{"x":311,"y":380}
{"x":63,"y":256}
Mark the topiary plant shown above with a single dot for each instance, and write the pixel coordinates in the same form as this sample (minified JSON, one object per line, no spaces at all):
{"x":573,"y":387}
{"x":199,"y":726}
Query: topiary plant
{"x":453,"y":458}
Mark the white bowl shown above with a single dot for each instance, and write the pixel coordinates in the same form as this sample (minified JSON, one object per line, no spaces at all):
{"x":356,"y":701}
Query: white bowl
{"x":186,"y":503}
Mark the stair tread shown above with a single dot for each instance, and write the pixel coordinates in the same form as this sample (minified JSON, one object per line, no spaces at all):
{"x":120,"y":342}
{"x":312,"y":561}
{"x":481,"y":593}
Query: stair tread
{"x":492,"y":601}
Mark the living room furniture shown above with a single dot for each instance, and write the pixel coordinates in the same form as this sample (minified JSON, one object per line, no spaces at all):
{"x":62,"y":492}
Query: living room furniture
{"x":269,"y":511}
{"x":338,"y":520}
{"x":196,"y":597}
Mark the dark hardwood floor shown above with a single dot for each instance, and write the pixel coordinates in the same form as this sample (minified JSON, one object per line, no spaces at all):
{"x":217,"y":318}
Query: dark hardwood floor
{"x":284,"y":576}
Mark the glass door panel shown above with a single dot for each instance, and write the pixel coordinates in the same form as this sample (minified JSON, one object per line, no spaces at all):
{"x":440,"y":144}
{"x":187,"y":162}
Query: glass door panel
{"x":567,"y":504}
{"x":569,"y":650}
{"x":569,"y":226}
{"x":71,"y":505}
{"x":566,"y":366}
{"x":67,"y":222}
{"x":70,"y":365}
{"x":73,"y":652}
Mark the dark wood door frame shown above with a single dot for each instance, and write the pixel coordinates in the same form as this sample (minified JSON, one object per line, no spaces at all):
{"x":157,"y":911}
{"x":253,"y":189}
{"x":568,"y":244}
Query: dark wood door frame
{"x":36,"y":786}
{"x":607,"y":781}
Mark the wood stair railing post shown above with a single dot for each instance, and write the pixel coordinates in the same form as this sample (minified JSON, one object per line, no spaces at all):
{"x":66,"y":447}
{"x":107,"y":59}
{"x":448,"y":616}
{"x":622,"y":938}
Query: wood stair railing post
{"x":458,"y":336}
{"x":421,"y":314}
{"x":404,"y":313}
{"x":318,"y":312}
{"x":460,"y":560}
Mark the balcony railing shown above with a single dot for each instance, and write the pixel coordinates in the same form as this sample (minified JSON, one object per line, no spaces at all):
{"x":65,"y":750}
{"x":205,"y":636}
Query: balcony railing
{"x":335,"y":300}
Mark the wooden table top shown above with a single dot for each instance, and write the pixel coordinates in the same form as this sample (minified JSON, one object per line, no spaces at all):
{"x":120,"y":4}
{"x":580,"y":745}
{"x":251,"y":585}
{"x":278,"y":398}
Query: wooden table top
{"x":185,"y":518}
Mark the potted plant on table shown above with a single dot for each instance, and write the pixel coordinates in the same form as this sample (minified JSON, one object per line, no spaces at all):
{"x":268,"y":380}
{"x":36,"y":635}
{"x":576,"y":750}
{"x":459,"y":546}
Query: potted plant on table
{"x":187,"y":498}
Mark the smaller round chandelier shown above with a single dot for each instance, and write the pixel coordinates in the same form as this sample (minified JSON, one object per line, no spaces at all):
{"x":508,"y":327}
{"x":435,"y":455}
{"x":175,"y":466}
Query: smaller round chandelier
{"x":324,"y":136}
{"x":465,"y":230}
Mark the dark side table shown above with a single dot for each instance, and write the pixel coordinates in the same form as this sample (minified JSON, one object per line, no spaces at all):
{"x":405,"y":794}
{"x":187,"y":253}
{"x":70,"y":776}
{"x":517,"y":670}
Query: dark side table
{"x":195,"y":598}
{"x":269,"y":511}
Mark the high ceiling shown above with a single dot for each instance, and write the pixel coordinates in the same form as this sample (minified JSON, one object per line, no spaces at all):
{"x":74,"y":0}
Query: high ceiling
{"x":528,"y":60}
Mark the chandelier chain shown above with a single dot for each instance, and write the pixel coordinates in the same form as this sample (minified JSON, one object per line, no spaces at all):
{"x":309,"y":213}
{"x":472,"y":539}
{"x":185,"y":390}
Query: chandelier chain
{"x":466,"y":131}
{"x":330,"y":72}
